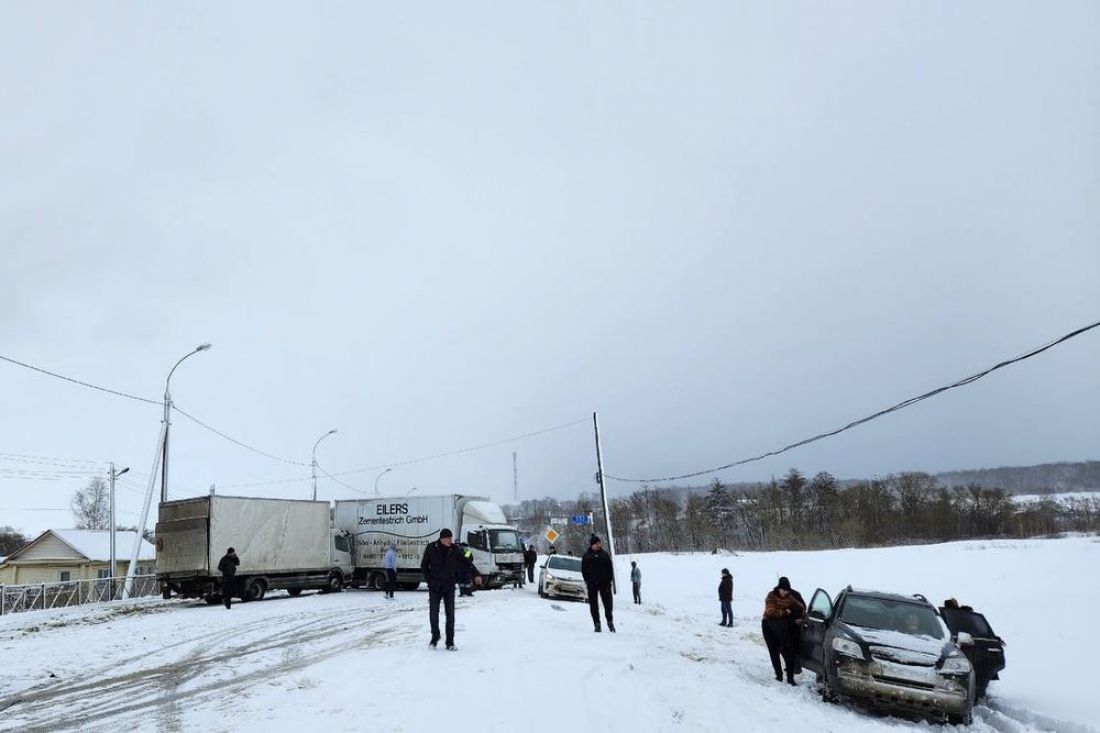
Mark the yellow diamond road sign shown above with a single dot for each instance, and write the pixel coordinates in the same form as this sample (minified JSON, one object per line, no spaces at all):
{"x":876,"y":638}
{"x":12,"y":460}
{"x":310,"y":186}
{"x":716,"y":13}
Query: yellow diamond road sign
{"x":551,"y":536}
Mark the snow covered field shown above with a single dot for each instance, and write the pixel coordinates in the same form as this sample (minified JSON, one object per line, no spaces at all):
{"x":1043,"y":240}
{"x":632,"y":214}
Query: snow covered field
{"x":354,"y":661}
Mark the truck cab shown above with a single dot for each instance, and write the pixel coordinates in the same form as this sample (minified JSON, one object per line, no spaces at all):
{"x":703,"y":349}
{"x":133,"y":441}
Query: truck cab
{"x":497,"y":552}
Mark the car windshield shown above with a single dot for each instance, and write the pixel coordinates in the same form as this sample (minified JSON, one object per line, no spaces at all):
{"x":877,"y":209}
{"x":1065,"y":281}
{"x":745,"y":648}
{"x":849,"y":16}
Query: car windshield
{"x":505,"y":540}
{"x":557,"y":562}
{"x":968,"y":621}
{"x":888,"y":615}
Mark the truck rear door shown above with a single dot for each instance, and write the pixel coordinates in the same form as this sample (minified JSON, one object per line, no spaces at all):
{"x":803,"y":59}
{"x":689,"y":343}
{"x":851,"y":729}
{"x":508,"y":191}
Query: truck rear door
{"x":183,"y":537}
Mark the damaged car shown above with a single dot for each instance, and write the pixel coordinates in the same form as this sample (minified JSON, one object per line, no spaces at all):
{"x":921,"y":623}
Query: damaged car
{"x":890,"y":652}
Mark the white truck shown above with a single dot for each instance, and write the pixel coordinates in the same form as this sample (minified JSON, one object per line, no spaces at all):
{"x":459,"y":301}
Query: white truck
{"x":282,"y":545}
{"x":413,"y":522}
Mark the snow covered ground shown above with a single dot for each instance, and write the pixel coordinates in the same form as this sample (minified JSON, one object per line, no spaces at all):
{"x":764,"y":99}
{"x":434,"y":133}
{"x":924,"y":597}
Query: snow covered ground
{"x":1062,"y":498}
{"x":354,"y":661}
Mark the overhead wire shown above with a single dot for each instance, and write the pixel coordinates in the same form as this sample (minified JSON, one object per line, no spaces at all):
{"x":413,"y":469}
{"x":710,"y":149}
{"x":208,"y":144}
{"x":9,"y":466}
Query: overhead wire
{"x":874,"y":416}
{"x":342,"y":483}
{"x":246,"y":446}
{"x":81,"y":382}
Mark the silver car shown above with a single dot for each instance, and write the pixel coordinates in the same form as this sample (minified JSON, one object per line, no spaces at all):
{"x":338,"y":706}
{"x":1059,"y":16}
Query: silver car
{"x":560,"y":576}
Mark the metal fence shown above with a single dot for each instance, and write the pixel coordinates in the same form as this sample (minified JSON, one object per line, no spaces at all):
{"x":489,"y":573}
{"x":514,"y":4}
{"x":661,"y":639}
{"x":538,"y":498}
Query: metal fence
{"x":40,"y":596}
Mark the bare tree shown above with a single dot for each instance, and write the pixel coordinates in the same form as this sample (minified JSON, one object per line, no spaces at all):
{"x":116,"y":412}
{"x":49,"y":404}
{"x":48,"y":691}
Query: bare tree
{"x":11,"y":540}
{"x":92,"y":505}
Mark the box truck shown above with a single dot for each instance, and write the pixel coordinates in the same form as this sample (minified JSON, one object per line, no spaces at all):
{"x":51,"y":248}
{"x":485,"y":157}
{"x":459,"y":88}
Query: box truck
{"x":282,"y":544}
{"x":413,"y":522}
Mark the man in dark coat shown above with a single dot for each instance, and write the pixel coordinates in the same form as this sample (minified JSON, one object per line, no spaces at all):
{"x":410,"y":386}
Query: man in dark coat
{"x":440,"y":565}
{"x":599,"y":576}
{"x":529,"y":559}
{"x":227,"y":566}
{"x":725,"y":597}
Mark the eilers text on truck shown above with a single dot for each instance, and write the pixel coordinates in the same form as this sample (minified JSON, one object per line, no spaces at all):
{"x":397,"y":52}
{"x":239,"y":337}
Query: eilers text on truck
{"x":413,"y":522}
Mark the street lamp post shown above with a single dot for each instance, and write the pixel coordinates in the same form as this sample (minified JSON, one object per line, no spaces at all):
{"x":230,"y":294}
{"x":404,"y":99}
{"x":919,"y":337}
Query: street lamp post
{"x":410,"y":491}
{"x":168,"y":423}
{"x":313,"y":463}
{"x":114,"y":557}
{"x":379,"y":478}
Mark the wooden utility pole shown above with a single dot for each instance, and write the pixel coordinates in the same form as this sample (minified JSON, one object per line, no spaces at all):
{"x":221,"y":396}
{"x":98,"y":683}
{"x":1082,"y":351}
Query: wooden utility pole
{"x":603,"y":495}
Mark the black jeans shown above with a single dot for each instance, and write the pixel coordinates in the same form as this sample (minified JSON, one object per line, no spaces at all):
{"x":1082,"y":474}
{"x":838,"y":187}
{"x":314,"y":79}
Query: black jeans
{"x":777,"y":637}
{"x":229,"y":585}
{"x":596,"y":593}
{"x":727,"y":612}
{"x":530,"y":573}
{"x":447,"y":595}
{"x":637,"y":592}
{"x":391,"y":582}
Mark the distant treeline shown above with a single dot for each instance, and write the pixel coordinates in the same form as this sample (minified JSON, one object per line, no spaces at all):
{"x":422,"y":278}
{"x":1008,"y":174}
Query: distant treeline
{"x":800,"y":513}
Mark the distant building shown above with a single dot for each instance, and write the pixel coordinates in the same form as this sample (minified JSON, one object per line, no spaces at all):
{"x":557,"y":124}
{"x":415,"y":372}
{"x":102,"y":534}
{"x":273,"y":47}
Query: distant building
{"x":61,"y":555}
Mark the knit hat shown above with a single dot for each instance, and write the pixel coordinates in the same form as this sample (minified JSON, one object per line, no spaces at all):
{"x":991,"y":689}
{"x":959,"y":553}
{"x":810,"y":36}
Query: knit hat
{"x":593,"y":540}
{"x":784,"y":584}
{"x":725,"y":571}
{"x":445,"y":533}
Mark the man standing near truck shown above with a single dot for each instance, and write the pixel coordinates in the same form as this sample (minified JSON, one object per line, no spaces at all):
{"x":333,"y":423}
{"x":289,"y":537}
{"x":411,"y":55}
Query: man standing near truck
{"x":529,"y":559}
{"x":389,"y":564}
{"x":227,"y":566}
{"x":440,"y":565}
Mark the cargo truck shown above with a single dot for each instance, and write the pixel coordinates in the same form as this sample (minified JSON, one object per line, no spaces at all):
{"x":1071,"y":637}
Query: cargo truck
{"x":282,"y":545}
{"x":413,"y":522}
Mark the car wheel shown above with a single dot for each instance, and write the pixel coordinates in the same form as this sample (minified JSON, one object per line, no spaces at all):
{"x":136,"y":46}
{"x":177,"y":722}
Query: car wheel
{"x":965,"y":719}
{"x":828,"y":694}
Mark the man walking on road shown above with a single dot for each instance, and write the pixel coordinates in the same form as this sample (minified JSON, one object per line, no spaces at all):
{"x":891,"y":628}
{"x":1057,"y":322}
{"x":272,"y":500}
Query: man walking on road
{"x":389,"y":564}
{"x":440,"y":565}
{"x":529,"y":559}
{"x":636,"y":581}
{"x":227,"y":566}
{"x":599,"y":576}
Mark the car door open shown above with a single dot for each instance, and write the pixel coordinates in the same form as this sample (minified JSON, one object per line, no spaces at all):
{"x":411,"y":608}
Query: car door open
{"x":812,"y":648}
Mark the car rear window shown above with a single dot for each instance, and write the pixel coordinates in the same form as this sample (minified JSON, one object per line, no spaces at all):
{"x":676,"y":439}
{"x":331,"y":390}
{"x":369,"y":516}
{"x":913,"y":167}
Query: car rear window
{"x":968,"y":621}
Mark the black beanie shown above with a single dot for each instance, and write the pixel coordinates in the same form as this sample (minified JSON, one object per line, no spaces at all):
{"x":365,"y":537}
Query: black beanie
{"x":784,"y":583}
{"x":593,"y":540}
{"x":445,"y":533}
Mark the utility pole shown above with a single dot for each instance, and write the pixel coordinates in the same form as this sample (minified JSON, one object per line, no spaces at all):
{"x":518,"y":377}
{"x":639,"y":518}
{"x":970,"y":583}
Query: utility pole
{"x":515,"y":479}
{"x":603,"y":494}
{"x":313,"y":463}
{"x":114,"y":555}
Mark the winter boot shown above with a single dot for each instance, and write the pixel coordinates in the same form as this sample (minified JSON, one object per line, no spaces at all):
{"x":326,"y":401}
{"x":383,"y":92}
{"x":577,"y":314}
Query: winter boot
{"x":597,"y":629}
{"x":452,"y":648}
{"x":434,"y":642}
{"x":611,"y":627}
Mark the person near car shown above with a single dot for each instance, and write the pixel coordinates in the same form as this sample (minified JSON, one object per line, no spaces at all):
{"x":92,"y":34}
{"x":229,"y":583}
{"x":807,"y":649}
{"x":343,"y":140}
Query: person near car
{"x":780,"y":606}
{"x":441,"y":563}
{"x":529,"y":559}
{"x":599,"y":577}
{"x":725,"y":597}
{"x":794,"y":632}
{"x":636,"y":581}
{"x":227,"y":566}
{"x":389,"y":564}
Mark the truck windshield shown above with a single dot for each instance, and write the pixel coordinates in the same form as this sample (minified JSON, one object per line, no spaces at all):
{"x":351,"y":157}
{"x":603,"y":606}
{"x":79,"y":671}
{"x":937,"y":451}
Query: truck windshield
{"x":505,"y":540}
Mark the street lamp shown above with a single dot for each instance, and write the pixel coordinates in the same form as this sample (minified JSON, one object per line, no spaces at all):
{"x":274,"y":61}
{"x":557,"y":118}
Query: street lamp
{"x":314,"y":462}
{"x":410,"y":491}
{"x":168,"y":421}
{"x":114,"y":559}
{"x":379,"y":478}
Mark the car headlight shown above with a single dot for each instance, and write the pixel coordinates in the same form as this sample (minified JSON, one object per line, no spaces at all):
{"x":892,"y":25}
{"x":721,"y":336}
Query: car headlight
{"x":847,"y":647}
{"x":957,"y":664}
{"x":550,"y":577}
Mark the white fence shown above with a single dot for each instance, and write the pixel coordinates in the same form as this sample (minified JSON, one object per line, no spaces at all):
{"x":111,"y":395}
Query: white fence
{"x":40,"y":596}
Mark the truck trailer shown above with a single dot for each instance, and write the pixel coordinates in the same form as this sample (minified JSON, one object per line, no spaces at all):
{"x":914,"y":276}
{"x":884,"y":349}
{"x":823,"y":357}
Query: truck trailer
{"x":282,"y":545}
{"x":413,"y":522}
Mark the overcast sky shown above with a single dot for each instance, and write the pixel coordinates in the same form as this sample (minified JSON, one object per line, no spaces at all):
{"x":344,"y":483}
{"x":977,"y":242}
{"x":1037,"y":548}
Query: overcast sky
{"x":725,"y":226}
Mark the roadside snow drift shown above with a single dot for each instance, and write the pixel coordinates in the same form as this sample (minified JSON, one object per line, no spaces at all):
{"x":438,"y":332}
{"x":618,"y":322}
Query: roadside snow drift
{"x":355,"y":661}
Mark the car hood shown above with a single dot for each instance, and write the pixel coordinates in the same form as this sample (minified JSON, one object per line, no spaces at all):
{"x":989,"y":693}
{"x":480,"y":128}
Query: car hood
{"x":570,"y":575}
{"x":903,"y":648}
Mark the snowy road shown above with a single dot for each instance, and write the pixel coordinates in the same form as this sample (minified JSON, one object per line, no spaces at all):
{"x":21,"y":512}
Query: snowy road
{"x":355,"y":661}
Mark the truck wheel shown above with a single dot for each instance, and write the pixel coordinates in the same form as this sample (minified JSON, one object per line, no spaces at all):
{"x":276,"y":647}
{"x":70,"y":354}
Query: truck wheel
{"x":377,"y":581}
{"x":166,"y":593}
{"x":294,"y":592}
{"x":212,"y":600}
{"x":334,"y":584}
{"x":408,"y":586}
{"x":254,"y":591}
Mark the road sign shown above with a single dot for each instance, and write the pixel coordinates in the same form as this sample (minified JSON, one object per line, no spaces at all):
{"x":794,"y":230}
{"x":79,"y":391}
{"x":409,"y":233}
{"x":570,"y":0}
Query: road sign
{"x":559,"y":521}
{"x":582,"y":519}
{"x":551,"y":536}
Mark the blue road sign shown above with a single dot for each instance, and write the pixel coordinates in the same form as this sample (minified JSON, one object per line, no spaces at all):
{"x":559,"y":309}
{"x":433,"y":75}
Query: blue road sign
{"x":580,"y":519}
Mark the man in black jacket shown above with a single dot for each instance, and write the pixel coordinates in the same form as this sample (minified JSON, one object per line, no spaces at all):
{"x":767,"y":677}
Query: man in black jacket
{"x":599,"y":575}
{"x":227,"y":566}
{"x":440,"y":565}
{"x":529,"y":559}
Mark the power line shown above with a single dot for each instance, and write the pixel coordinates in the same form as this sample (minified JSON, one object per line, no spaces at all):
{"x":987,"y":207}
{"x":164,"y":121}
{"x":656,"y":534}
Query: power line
{"x":345,"y":485}
{"x":24,"y":458}
{"x":894,"y":408}
{"x":78,"y":381}
{"x":219,"y":433}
